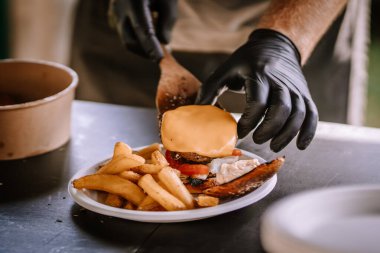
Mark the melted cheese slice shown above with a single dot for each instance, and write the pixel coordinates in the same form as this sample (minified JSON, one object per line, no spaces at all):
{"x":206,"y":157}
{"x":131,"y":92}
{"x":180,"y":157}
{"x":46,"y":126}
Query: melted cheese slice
{"x":202,"y":129}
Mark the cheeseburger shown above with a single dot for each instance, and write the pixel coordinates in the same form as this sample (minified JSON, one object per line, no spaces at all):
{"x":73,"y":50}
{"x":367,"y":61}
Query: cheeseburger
{"x":198,"y":133}
{"x":200,"y":142}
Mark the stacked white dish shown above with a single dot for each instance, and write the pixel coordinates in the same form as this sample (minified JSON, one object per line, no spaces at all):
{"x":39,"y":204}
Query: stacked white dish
{"x":340,"y":219}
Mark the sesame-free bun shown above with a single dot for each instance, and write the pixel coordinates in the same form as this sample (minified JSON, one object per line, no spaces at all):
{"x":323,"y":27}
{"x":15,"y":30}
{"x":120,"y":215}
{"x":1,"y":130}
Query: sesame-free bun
{"x":202,"y":129}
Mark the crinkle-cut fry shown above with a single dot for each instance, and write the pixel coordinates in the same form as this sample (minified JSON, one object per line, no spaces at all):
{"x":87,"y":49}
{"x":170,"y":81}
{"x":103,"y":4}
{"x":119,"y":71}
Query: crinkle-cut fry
{"x":153,"y":189}
{"x":147,"y":151}
{"x":129,"y":206}
{"x":112,"y":184}
{"x":114,"y":200}
{"x":148,"y":168}
{"x":206,"y":201}
{"x":121,"y":163}
{"x":175,"y":186}
{"x":149,"y":204}
{"x":121,"y":148}
{"x":159,"y":158}
{"x":130,"y":175}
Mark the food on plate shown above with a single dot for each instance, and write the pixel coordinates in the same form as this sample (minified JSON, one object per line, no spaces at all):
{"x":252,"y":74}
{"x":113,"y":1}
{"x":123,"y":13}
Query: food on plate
{"x":112,"y":184}
{"x":247,"y":182}
{"x":159,"y":194}
{"x":130,"y":175}
{"x":114,"y":200}
{"x":149,"y":204}
{"x":200,"y":143}
{"x":197,"y":165}
{"x":121,"y":148}
{"x":206,"y":201}
{"x":121,"y":163}
{"x":147,"y":151}
{"x":174,"y":184}
{"x":198,"y":133}
{"x":159,"y":159}
{"x":129,"y":206}
{"x":148,"y":168}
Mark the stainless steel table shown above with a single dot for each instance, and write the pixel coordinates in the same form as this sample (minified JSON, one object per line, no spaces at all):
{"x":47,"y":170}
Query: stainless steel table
{"x":37,"y":215}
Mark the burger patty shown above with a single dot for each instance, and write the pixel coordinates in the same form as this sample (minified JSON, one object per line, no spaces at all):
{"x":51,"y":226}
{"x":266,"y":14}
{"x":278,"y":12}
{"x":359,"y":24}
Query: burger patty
{"x":191,"y":157}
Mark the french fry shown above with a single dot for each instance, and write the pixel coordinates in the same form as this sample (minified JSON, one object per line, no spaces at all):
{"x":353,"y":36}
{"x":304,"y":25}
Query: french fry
{"x":148,"y":161}
{"x":147,"y":151}
{"x":148,"y":168}
{"x":114,"y":200}
{"x":149,"y":204}
{"x":130,"y":175}
{"x":129,"y":206}
{"x":158,"y":158}
{"x":177,"y":172}
{"x":112,"y":184}
{"x":155,"y":177}
{"x":153,"y":189}
{"x":121,"y":163}
{"x":175,"y":186}
{"x":161,"y":184}
{"x":206,"y":201}
{"x":121,"y":148}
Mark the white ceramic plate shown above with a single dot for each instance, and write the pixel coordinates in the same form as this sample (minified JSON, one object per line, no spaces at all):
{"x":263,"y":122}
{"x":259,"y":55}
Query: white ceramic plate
{"x":91,"y":200}
{"x":338,"y":219}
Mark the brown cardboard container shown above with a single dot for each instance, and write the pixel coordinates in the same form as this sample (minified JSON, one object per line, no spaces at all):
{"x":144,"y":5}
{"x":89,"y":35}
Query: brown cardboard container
{"x":35,"y":107}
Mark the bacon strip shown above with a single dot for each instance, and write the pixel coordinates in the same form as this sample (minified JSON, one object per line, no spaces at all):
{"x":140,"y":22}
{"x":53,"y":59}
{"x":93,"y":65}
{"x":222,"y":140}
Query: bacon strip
{"x":248,"y":182}
{"x":210,"y":182}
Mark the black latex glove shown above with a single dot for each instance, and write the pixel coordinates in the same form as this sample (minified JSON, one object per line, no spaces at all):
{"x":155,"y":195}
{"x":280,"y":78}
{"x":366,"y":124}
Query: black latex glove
{"x":134,"y":23}
{"x":268,"y":68}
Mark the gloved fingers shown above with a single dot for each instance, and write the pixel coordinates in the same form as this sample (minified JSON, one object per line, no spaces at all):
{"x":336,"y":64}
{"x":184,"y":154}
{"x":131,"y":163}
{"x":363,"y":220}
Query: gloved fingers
{"x":257,"y":92}
{"x":167,"y":15}
{"x":116,"y":12}
{"x":292,"y":126}
{"x":309,"y":126}
{"x":279,"y":108}
{"x":142,"y":25}
{"x":120,"y":21}
{"x":129,"y":39}
{"x":213,"y":86}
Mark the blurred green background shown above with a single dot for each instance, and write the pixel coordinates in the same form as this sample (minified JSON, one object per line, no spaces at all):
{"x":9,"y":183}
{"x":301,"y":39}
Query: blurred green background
{"x":373,"y":104}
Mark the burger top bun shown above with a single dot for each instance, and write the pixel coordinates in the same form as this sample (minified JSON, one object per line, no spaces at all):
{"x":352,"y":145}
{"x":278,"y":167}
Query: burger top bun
{"x":202,"y":129}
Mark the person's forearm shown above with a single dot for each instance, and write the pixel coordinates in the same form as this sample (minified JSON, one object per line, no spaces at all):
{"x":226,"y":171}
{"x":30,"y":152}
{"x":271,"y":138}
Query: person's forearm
{"x":302,"y":21}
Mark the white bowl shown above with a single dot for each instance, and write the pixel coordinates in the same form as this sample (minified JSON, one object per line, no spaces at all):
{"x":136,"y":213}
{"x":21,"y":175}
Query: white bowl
{"x":338,"y":219}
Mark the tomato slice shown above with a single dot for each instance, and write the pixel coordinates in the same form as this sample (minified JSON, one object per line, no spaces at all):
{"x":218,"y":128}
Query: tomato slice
{"x":236,"y":152}
{"x":193,"y":169}
{"x":185,"y":168}
{"x":172,"y":162}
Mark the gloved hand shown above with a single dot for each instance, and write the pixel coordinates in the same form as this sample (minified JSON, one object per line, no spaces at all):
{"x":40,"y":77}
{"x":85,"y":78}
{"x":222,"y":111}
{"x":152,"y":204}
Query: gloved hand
{"x":268,"y":67}
{"x":136,"y":28}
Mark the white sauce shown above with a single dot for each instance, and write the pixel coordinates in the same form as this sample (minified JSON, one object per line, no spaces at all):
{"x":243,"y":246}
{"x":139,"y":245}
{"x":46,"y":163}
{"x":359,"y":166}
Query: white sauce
{"x":217,"y":163}
{"x":231,"y":171}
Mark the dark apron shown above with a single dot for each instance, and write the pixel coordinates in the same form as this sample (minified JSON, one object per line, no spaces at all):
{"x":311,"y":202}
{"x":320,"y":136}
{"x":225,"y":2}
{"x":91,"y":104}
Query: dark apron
{"x":109,"y":73}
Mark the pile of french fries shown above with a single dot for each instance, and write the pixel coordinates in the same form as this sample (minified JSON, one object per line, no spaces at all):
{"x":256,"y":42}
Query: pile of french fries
{"x":142,"y":180}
